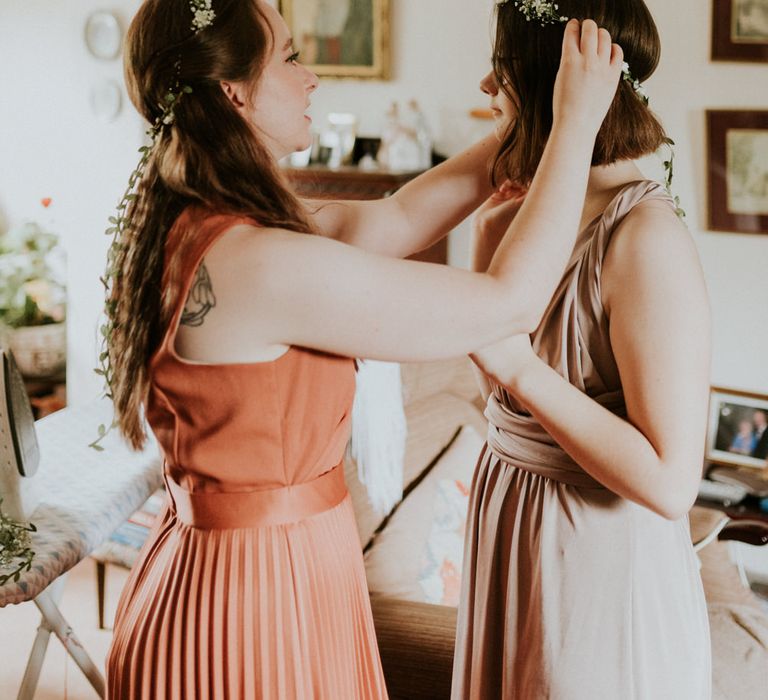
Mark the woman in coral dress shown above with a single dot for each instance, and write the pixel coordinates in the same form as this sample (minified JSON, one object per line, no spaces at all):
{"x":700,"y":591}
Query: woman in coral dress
{"x":580,"y":581}
{"x":234,"y":310}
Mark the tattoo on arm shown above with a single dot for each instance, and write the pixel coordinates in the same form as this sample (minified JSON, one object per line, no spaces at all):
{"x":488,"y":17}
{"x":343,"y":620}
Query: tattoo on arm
{"x":200,"y":300}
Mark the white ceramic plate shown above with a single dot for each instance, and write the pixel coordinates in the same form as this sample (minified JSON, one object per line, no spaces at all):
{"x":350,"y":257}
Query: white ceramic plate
{"x":103,"y":35}
{"x":106,"y":100}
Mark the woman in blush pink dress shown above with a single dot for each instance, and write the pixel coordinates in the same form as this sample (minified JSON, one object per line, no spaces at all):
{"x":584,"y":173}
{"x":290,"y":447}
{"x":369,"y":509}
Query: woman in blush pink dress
{"x":580,"y":581}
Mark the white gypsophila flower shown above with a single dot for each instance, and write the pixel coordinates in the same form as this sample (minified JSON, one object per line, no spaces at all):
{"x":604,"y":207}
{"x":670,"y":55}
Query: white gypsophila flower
{"x":203,"y":14}
{"x":543,"y":11}
{"x":637,"y":86}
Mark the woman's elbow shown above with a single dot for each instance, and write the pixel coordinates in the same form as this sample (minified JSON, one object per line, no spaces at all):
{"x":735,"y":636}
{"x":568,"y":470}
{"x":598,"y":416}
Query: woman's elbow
{"x":676,"y":501}
{"x":674,"y":511}
{"x":524,"y":320}
{"x":516,"y":311}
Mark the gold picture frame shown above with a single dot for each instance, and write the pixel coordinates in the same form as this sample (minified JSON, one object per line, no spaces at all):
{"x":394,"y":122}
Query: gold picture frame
{"x":341,"y":38}
{"x":727,"y":442}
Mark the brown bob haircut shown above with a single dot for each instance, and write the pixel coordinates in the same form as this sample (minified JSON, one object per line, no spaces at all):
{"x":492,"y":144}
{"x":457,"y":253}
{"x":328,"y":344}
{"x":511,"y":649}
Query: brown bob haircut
{"x":526,"y":59}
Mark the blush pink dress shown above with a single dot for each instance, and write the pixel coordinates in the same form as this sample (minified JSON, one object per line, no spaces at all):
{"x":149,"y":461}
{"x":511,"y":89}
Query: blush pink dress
{"x":252,"y":585}
{"x":570,"y":592}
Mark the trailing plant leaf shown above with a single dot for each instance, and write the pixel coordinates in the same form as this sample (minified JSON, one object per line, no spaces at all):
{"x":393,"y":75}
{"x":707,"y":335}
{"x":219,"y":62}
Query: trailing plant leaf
{"x":16,"y":554}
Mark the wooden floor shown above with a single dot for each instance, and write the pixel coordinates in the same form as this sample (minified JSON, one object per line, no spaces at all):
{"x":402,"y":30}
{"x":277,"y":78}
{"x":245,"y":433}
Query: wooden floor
{"x":60,"y":679}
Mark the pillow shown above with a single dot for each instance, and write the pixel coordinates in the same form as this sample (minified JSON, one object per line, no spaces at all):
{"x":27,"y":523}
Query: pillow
{"x":739,"y":651}
{"x":432,"y":423}
{"x":441,"y":560}
{"x":418,"y":555}
{"x":125,"y":543}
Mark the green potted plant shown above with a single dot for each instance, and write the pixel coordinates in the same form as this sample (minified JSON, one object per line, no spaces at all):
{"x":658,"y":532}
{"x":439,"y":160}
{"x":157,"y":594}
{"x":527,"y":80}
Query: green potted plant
{"x":33,"y":299}
{"x":16,"y":553}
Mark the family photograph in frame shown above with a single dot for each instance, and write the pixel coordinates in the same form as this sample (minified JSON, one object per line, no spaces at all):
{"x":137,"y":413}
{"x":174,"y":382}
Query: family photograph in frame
{"x":737,"y":434}
{"x":341,"y":38}
{"x":737,"y":161}
{"x":740,"y":30}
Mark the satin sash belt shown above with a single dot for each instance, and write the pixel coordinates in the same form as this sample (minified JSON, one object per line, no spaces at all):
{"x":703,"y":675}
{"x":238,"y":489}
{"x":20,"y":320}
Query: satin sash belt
{"x":521,"y":442}
{"x":216,"y":510}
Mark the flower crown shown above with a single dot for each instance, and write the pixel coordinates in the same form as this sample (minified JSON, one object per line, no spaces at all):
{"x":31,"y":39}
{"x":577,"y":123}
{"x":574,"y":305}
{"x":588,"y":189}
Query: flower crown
{"x":202,"y":18}
{"x":545,"y":13}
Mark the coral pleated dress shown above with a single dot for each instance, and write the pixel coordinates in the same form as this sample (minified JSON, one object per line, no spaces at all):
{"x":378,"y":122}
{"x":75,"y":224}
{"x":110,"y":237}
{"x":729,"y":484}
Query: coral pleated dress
{"x":570,"y":592}
{"x":252,"y":584}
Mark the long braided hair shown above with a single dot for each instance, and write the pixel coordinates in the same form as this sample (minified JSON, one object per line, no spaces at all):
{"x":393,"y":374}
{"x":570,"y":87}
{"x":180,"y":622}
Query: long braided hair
{"x":208,"y":156}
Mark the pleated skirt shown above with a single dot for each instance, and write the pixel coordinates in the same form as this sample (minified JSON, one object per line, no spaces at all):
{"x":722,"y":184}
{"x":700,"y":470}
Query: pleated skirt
{"x":279,"y":612}
{"x":573,"y":593}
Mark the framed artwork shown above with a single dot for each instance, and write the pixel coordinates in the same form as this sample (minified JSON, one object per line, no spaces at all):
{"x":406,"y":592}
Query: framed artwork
{"x":737,"y":434}
{"x":740,"y":30}
{"x":737,"y":157}
{"x":341,"y":38}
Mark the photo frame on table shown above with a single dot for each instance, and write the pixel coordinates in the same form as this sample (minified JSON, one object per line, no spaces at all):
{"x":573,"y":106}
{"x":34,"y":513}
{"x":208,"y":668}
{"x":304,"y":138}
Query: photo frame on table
{"x":341,"y":38}
{"x":737,"y":178}
{"x":740,"y":30}
{"x":737,"y":433}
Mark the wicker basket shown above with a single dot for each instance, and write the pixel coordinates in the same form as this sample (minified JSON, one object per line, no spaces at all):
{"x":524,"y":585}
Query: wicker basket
{"x":39,"y":351}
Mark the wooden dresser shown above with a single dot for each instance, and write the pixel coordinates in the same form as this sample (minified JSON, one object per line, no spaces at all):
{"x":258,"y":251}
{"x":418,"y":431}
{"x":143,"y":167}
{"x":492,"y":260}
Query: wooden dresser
{"x":350,"y":182}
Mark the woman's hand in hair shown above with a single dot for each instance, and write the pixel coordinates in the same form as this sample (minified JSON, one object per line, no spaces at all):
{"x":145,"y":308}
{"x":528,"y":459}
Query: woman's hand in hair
{"x":588,"y":77}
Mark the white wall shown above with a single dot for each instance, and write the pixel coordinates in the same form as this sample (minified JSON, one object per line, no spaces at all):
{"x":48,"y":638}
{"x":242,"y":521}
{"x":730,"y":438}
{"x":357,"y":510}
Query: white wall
{"x":736,"y":266}
{"x":51,"y":144}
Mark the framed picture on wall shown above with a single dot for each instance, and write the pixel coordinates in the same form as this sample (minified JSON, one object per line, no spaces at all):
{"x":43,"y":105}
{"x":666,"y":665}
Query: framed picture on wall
{"x":738,"y":428}
{"x":341,"y":38}
{"x":737,"y":161}
{"x":740,"y":30}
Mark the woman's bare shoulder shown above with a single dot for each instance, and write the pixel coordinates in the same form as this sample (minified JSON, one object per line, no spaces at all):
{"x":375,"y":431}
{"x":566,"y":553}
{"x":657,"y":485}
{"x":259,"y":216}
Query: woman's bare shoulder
{"x":650,"y":229}
{"x":651,"y":246}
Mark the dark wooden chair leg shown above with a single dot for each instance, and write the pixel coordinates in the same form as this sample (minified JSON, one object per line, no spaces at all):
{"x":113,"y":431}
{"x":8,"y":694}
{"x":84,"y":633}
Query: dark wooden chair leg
{"x":101,"y":569}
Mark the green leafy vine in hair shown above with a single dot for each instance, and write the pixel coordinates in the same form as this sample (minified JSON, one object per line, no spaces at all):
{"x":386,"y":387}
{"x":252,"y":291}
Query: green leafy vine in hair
{"x":669,"y":173}
{"x":120,"y":223}
{"x":203,"y":16}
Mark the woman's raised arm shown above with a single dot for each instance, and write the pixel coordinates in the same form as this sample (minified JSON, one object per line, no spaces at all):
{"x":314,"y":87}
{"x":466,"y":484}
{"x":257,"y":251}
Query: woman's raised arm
{"x":290,"y":289}
{"x":419,"y":214}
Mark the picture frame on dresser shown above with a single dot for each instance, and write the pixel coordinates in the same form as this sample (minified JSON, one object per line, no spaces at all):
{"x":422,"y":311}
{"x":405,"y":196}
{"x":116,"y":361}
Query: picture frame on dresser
{"x":737,"y":165}
{"x":740,"y":30}
{"x":737,"y":432}
{"x":341,"y":38}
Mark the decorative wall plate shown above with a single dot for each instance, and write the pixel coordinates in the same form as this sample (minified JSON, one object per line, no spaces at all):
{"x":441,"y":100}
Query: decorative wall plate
{"x":106,"y":100}
{"x":103,"y":35}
